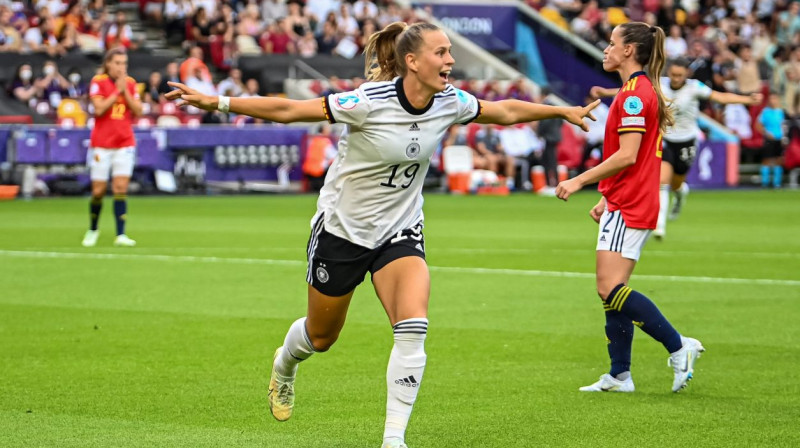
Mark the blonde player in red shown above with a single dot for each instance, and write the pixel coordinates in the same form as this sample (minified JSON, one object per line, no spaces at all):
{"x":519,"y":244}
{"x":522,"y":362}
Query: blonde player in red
{"x":628,"y":211}
{"x":112,"y":150}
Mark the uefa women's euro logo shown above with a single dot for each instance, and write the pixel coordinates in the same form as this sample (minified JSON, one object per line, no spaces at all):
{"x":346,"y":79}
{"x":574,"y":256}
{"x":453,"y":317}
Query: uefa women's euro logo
{"x":347,"y":102}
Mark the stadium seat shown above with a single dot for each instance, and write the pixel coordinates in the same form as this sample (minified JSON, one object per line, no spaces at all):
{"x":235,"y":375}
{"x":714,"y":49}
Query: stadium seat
{"x":168,"y":121}
{"x":145,"y":122}
{"x":70,"y":110}
{"x":570,"y":148}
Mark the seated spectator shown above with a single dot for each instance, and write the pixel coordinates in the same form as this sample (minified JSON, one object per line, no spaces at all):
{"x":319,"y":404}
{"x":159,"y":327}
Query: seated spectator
{"x":171,"y":74}
{"x":175,"y":14}
{"x":232,"y":85}
{"x":272,"y":10}
{"x":251,"y":88}
{"x":348,"y":25}
{"x":675,"y":45}
{"x":199,"y":82}
{"x":194,"y":60}
{"x":42,"y":38}
{"x":249,"y":25}
{"x":328,"y":40}
{"x":77,"y":89}
{"x":519,"y":91}
{"x":152,"y":95}
{"x":53,"y":84}
{"x":277,"y":40}
{"x":296,"y":22}
{"x":10,"y":39}
{"x":747,"y":77}
{"x":482,"y":158}
{"x":23,"y":87}
{"x":364,"y":10}
{"x":119,"y":33}
{"x":369,"y":28}
{"x":316,"y":10}
{"x":307,"y":45}
{"x":487,"y":140}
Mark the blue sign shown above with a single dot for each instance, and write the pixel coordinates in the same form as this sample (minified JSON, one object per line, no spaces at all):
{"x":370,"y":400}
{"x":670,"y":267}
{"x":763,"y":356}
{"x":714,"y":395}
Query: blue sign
{"x":491,"y":27}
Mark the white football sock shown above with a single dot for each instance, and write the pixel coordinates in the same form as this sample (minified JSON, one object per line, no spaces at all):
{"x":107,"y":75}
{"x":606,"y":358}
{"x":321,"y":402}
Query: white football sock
{"x":296,"y":348}
{"x":683,"y":191}
{"x":404,"y":374}
{"x":663,"y":205}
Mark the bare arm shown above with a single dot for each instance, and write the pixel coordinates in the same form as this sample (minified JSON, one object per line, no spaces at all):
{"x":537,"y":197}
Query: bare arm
{"x":732,"y":98}
{"x":603,"y":92}
{"x":280,"y":110}
{"x":102,"y":104}
{"x":26,"y":93}
{"x":626,"y":156}
{"x":508,"y":112}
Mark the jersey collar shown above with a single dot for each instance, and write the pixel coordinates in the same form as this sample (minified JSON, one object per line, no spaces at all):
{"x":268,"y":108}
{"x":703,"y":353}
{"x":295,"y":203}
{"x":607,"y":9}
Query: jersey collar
{"x":639,"y":73}
{"x":401,"y":96}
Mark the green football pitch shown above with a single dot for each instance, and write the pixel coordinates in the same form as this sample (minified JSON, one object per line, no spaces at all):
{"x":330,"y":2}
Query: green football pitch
{"x":169,"y":344}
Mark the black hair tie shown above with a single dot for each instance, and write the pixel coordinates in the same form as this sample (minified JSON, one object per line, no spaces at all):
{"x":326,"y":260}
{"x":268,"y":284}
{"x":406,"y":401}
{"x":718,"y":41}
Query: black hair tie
{"x":653,"y":29}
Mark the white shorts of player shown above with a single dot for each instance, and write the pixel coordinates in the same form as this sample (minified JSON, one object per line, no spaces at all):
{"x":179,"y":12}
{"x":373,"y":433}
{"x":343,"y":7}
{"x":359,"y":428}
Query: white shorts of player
{"x":615,"y":236}
{"x":110,"y":162}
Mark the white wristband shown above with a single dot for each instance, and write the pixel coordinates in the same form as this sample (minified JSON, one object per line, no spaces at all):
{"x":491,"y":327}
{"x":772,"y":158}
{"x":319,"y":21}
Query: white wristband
{"x":224,"y":104}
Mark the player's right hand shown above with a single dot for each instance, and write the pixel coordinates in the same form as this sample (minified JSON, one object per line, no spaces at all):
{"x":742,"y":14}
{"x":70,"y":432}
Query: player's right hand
{"x":191,"y":97}
{"x":596,"y":92}
{"x":597,"y":211}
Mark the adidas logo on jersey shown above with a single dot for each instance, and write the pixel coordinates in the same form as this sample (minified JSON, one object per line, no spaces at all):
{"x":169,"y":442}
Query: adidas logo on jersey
{"x":408,"y":381}
{"x":414,"y":127}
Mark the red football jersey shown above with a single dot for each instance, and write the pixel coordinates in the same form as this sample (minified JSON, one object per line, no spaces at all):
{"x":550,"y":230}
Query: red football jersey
{"x":114,"y":128}
{"x":634,"y":190}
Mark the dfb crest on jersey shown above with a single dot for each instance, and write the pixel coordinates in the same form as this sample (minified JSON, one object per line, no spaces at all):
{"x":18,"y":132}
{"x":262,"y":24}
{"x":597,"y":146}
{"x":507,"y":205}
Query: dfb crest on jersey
{"x":347,"y":102}
{"x":633,"y":105}
{"x":322,"y":275}
{"x":412,"y":150}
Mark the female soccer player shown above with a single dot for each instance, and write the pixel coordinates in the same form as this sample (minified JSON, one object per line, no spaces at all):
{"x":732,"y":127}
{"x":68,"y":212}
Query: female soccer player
{"x":113,"y":151}
{"x":628,"y":210}
{"x":681,"y":138}
{"x":369,"y":214}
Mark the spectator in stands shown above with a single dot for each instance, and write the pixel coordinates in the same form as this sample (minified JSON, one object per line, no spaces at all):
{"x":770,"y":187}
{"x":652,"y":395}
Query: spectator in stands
{"x":76,"y":15}
{"x":788,"y":25}
{"x":77,"y":88}
{"x":200,"y":83}
{"x":119,"y":33}
{"x":348,"y":25}
{"x":23,"y":87}
{"x":201,"y":29}
{"x":700,"y":63}
{"x":171,"y":74}
{"x":364,"y":10}
{"x":390,"y":14}
{"x":195,"y":59}
{"x":747,"y":77}
{"x":42,"y":39}
{"x":307,"y":45}
{"x":152,"y":95}
{"x":277,"y":40}
{"x":10,"y":39}
{"x":175,"y":14}
{"x":316,"y":10}
{"x":487,"y":140}
{"x":232,"y":85}
{"x":550,"y":131}
{"x":328,"y":40}
{"x":482,"y":159}
{"x":369,"y":28}
{"x":675,"y":45}
{"x":251,"y":88}
{"x":272,"y":10}
{"x":770,"y":123}
{"x":249,"y":25}
{"x":296,"y":21}
{"x":53,"y":83}
{"x":519,"y":90}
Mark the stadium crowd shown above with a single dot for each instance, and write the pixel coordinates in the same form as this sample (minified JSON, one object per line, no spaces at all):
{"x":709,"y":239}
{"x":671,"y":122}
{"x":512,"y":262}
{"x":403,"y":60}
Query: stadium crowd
{"x":738,"y":46}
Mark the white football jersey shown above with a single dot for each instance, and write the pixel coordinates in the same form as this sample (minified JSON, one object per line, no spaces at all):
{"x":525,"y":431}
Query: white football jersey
{"x":685,"y":108}
{"x":374,"y":187}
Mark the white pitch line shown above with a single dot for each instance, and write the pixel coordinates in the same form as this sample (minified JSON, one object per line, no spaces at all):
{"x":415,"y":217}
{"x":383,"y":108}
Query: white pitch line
{"x":452,"y":269}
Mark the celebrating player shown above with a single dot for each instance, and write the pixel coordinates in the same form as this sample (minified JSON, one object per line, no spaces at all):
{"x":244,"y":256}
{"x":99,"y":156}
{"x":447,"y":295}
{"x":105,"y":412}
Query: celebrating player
{"x":369,"y":214}
{"x":628,"y":210}
{"x":681,"y":138}
{"x":113,"y":151}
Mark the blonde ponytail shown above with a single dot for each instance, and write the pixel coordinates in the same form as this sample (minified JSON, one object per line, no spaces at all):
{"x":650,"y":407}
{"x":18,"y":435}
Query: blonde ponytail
{"x":384,"y":55}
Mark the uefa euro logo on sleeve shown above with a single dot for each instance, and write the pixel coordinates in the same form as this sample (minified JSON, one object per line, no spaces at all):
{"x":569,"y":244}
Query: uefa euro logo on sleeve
{"x":347,"y":102}
{"x":633,"y":105}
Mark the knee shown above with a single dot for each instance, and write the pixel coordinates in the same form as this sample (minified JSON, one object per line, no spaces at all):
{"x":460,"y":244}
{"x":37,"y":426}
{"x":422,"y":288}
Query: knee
{"x":604,"y":290}
{"x":322,"y":342}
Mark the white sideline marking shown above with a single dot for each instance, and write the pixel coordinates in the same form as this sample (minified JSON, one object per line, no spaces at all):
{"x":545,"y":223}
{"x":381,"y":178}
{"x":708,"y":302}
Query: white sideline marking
{"x":461,"y":270}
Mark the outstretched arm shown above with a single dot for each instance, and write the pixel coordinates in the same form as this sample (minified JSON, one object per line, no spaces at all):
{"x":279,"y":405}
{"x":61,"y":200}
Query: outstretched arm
{"x":732,"y":98}
{"x":280,"y":110}
{"x":626,"y":156}
{"x":603,"y":92}
{"x":508,"y":112}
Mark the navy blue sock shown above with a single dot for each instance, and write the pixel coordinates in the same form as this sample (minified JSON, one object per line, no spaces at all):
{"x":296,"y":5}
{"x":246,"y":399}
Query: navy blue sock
{"x":120,"y":210}
{"x":645,"y":314}
{"x":94,"y":212}
{"x":619,"y":333}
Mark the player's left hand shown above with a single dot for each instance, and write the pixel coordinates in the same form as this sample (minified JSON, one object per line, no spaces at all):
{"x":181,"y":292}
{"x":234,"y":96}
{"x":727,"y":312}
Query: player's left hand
{"x":567,"y":187}
{"x":575,"y":115}
{"x":191,"y":97}
{"x":122,"y":83}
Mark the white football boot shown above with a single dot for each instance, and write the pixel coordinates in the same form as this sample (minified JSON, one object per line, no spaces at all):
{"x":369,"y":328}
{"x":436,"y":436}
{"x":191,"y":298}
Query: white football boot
{"x":90,"y":238}
{"x":394,"y":442}
{"x":281,"y":393}
{"x":124,"y":241}
{"x":682,"y":362}
{"x":680,"y":201}
{"x":608,"y":383}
